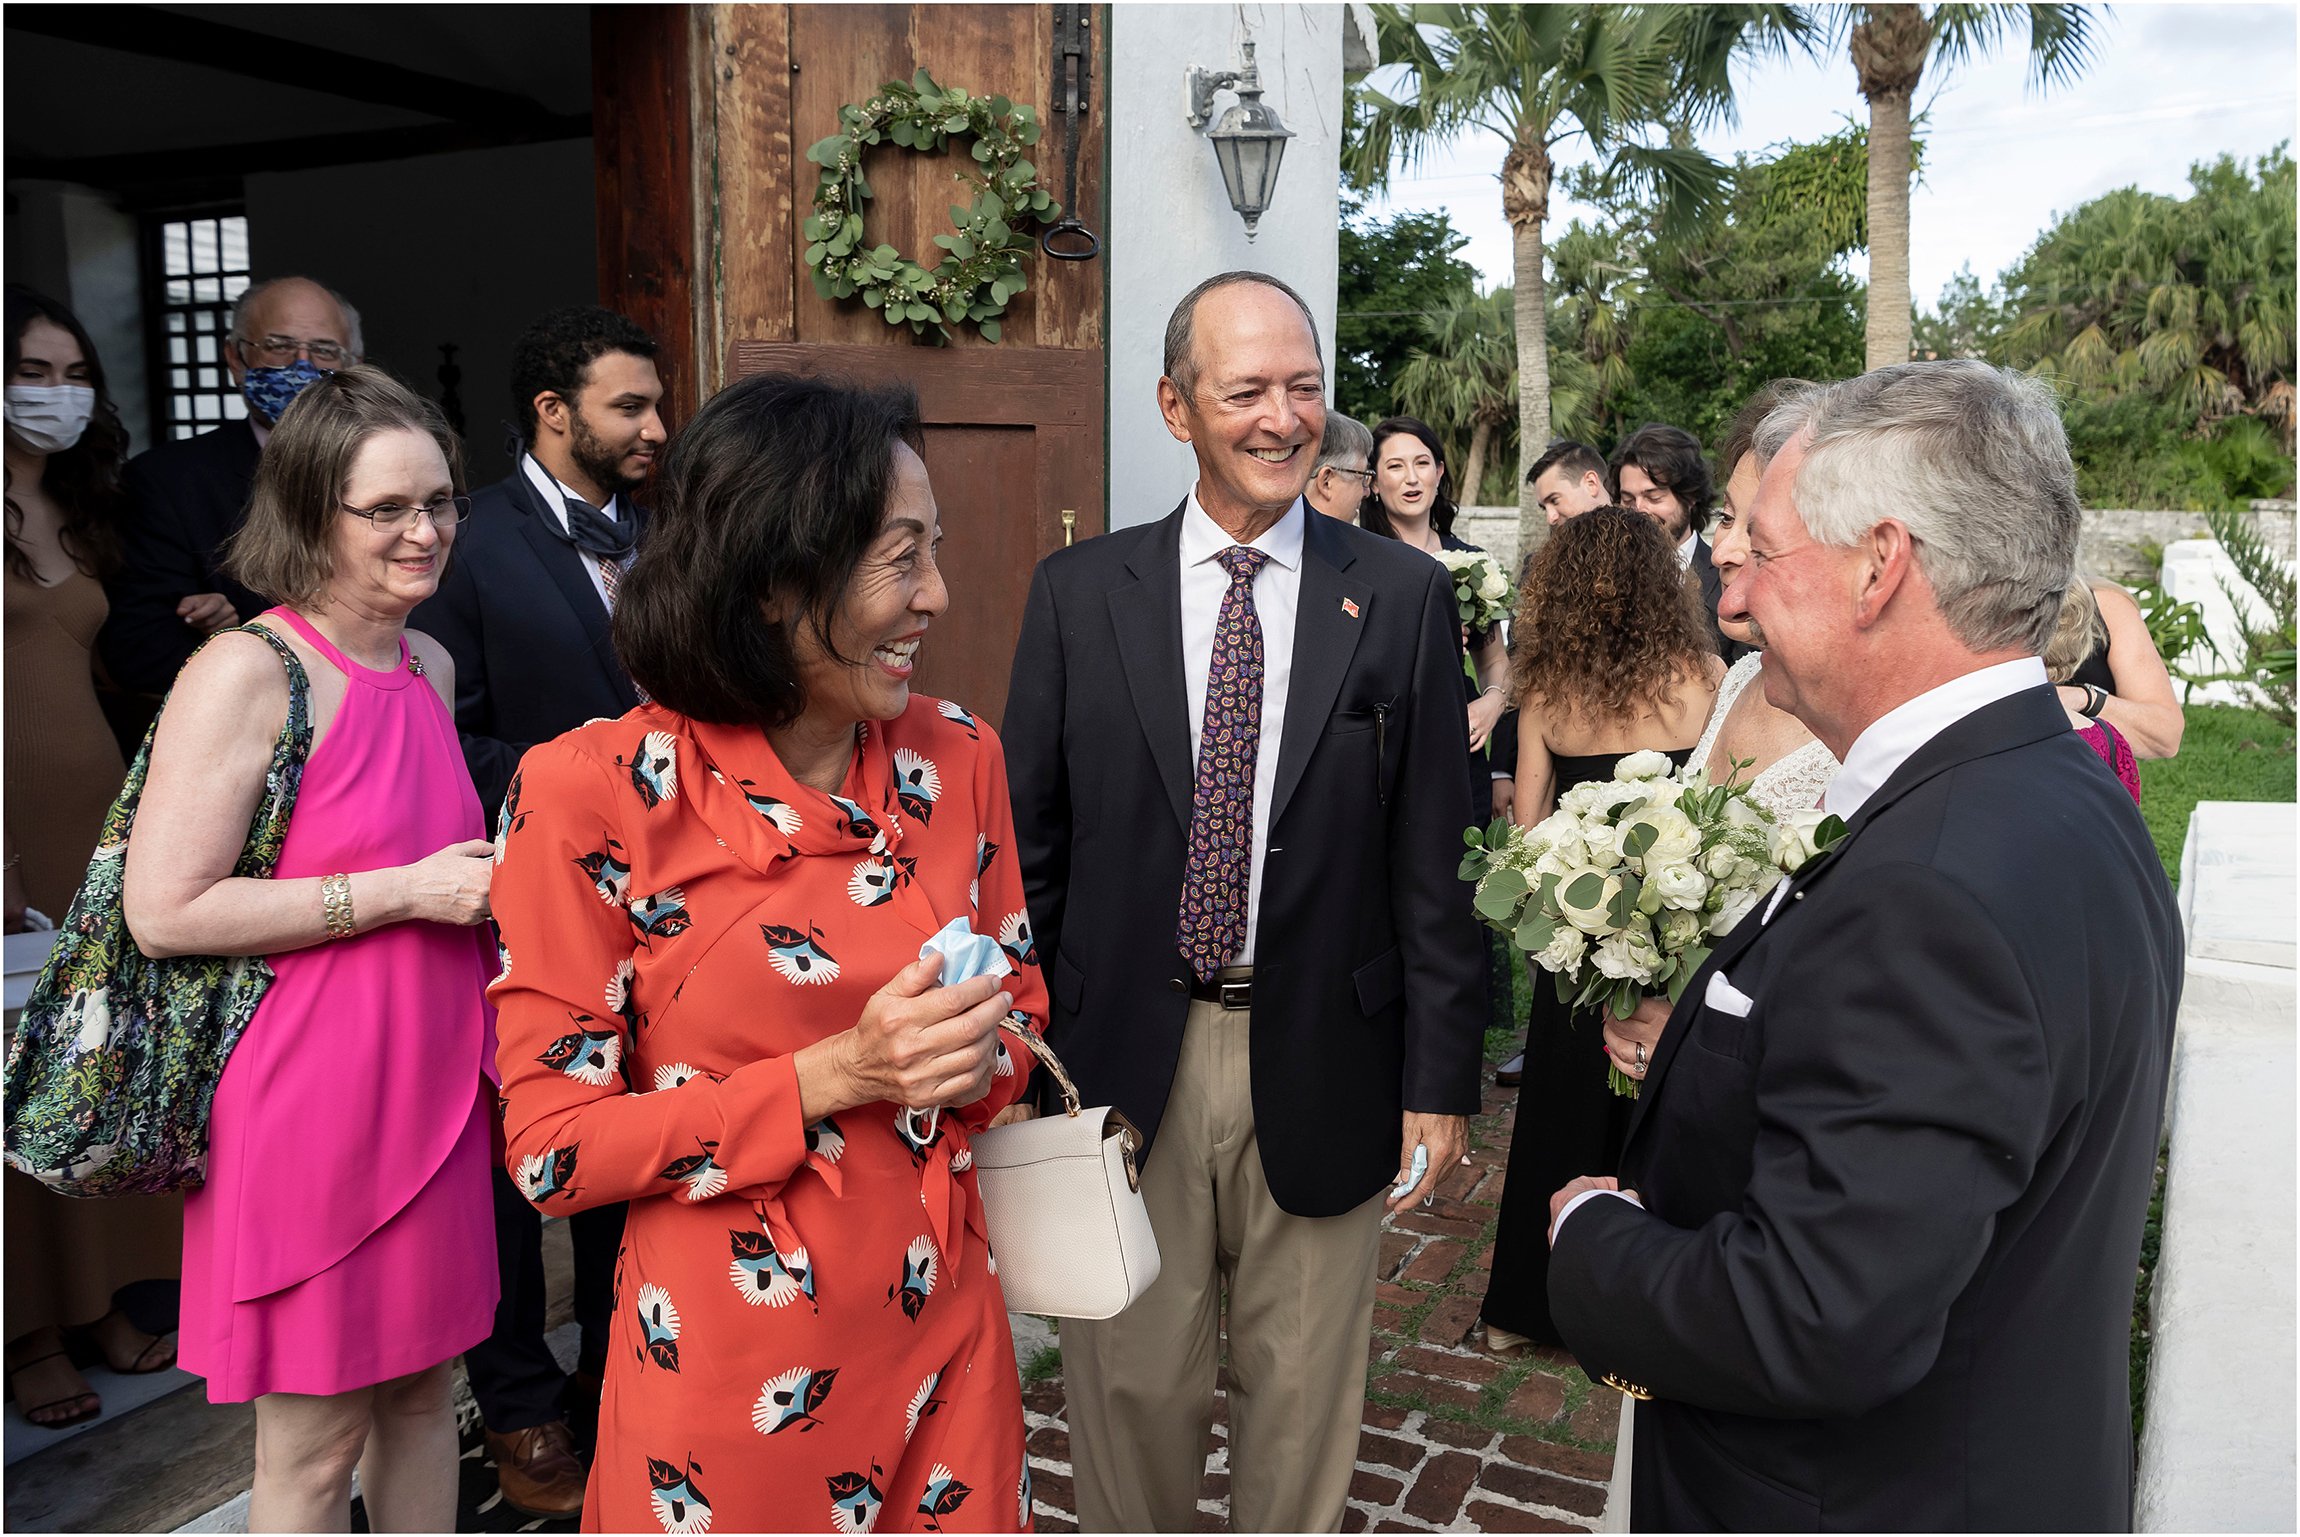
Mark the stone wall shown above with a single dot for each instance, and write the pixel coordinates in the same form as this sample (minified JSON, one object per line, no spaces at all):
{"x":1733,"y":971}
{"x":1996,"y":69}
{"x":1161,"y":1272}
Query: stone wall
{"x":2115,"y":545}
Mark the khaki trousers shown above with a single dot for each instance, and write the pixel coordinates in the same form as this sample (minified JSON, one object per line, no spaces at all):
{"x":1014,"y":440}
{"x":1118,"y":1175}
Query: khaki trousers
{"x":1301,"y":1302}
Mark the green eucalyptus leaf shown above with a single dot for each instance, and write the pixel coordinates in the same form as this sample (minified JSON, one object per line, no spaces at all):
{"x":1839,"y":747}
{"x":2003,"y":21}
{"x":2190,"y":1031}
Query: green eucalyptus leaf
{"x":990,"y":330}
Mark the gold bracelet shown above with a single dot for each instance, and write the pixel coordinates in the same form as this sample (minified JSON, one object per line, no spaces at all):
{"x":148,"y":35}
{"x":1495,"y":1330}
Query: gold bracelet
{"x":335,"y":906}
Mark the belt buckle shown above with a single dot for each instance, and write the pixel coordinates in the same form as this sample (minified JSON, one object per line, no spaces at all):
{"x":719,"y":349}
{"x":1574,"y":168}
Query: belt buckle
{"x":1237,"y":995}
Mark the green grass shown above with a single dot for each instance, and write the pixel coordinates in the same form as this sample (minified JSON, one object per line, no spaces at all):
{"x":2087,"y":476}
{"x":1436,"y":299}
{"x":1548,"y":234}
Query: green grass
{"x":1044,"y":1366}
{"x":2226,"y":755}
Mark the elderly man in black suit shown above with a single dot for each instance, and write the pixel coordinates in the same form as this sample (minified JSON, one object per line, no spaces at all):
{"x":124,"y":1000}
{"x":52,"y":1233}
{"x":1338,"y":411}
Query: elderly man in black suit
{"x":187,"y":497}
{"x":524,"y":610}
{"x":1235,"y":738}
{"x":1895,"y":1147}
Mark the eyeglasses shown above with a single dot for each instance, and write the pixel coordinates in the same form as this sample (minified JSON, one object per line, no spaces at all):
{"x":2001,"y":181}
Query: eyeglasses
{"x":398,"y":517}
{"x":275,"y":351}
{"x":1365,"y":475}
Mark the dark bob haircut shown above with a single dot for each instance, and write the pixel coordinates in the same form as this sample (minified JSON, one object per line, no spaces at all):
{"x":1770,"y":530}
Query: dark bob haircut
{"x":775,"y":490}
{"x":1671,"y":459}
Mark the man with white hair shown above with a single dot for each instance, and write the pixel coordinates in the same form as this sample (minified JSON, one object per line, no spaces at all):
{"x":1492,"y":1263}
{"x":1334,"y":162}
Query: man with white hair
{"x":1869,"y":1262}
{"x":186,"y":497}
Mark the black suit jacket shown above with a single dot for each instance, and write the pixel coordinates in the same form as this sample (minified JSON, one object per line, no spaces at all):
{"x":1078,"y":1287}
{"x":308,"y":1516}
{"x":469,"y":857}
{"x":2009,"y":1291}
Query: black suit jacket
{"x":1713,"y":588}
{"x":529,"y":635}
{"x":1368,"y":975}
{"x":1884,"y":1274}
{"x":185,"y":498}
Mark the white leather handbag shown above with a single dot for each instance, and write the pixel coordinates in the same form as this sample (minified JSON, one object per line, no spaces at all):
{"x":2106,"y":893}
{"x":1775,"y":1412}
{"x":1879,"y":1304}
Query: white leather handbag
{"x":1064,"y":1199}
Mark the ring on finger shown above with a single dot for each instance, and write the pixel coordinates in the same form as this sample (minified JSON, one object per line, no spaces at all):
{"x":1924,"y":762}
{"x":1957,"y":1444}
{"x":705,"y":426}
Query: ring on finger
{"x":1641,"y":1056}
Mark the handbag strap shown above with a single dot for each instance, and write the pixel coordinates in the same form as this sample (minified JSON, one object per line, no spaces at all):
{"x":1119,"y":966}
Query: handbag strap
{"x":1071,"y":1103}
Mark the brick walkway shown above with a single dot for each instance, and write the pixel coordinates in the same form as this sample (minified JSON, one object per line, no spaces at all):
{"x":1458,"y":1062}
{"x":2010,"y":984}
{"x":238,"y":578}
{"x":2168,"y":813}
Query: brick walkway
{"x":1453,"y":1439}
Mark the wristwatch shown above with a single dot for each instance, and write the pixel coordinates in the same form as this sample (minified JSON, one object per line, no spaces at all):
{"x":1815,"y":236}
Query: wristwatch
{"x":2095,"y":701}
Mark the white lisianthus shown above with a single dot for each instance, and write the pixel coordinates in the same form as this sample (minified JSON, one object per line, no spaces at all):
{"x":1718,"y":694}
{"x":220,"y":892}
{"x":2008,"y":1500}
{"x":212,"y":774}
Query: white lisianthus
{"x":1680,"y":885}
{"x":1627,"y":956}
{"x":1591,"y":917}
{"x":1642,"y":765}
{"x":1564,"y":950}
{"x":1736,"y":906}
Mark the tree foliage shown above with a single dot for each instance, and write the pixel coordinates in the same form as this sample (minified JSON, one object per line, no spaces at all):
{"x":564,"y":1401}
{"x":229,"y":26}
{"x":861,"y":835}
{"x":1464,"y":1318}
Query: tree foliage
{"x":1463,"y":381}
{"x":1395,"y":274}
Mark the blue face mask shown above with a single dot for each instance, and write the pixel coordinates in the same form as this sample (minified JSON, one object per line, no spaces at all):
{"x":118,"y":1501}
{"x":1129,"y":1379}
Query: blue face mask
{"x":271,"y":391}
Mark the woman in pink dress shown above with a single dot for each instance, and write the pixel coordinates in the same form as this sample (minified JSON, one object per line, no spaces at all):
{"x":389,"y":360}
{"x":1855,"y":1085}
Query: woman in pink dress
{"x":341,"y":1253}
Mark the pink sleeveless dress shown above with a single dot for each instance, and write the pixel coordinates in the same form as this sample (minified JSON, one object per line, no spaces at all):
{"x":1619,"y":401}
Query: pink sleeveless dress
{"x":346,"y":1232}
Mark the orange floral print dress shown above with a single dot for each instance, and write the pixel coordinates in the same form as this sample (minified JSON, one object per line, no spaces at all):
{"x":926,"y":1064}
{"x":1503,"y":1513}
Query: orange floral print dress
{"x":808,"y":1328}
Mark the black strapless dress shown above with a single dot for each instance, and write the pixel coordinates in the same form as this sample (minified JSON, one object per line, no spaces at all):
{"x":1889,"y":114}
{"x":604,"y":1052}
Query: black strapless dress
{"x":1568,"y":1123}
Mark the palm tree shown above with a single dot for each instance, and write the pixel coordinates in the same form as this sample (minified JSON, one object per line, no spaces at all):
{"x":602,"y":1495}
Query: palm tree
{"x":1891,"y":47}
{"x":1536,"y":77}
{"x":1465,"y":379}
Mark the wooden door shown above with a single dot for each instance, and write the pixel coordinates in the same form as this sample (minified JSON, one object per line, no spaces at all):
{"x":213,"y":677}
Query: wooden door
{"x":1014,"y":430}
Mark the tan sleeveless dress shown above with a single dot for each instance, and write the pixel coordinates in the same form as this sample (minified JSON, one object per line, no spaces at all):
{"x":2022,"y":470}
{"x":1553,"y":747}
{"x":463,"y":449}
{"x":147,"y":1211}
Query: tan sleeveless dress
{"x":65,"y":1257}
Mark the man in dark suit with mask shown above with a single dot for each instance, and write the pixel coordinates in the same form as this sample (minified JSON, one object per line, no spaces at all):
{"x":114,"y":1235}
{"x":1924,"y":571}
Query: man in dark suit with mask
{"x":524,"y":610}
{"x":1235,"y":739}
{"x":1869,"y":1259}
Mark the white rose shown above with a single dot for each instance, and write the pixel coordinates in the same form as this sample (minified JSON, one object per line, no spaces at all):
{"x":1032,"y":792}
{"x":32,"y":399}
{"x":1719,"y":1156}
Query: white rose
{"x":1582,"y":799}
{"x":1642,"y":765}
{"x":1584,"y":897}
{"x":1494,"y":585}
{"x":1675,"y":838}
{"x":1736,"y":907}
{"x":1627,"y":956}
{"x":1603,"y":841}
{"x":1717,"y":864}
{"x":1680,"y":885}
{"x":1793,"y":841}
{"x":1680,"y":930}
{"x":1564,"y":950}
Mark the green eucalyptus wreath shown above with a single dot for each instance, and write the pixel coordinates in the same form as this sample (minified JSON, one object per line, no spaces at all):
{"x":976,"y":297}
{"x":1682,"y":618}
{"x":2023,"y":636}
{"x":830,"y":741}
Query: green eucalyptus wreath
{"x":982,"y":268}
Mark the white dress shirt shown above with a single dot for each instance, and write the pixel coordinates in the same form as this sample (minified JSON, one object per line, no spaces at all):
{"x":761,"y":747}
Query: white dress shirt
{"x":1277,"y":597}
{"x":1685,"y":548}
{"x":555,"y":494}
{"x":1892,"y":740}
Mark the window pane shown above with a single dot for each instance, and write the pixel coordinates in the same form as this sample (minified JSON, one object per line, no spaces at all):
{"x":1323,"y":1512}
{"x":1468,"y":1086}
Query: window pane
{"x":204,"y":245}
{"x":235,"y":286}
{"x":179,"y":291}
{"x":176,"y":248}
{"x":235,"y":407}
{"x":177,"y":351}
{"x":207,"y":290}
{"x":180,"y":378}
{"x":181,"y":409}
{"x":207,"y":379}
{"x":184,"y":432}
{"x":207,"y":349}
{"x":236,"y":244}
{"x":203,"y":320}
{"x":204,"y":408}
{"x":176,"y":323}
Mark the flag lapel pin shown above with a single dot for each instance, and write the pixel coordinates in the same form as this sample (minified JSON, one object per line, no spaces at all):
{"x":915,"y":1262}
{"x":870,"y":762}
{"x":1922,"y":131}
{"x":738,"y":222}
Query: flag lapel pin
{"x":1350,"y":608}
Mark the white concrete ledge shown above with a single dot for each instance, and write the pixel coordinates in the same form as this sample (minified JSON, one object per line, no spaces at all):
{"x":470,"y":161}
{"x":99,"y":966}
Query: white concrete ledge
{"x":2217,"y":1447}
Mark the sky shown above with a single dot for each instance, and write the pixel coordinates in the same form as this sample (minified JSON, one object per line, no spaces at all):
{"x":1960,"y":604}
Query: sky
{"x":2170,"y":85}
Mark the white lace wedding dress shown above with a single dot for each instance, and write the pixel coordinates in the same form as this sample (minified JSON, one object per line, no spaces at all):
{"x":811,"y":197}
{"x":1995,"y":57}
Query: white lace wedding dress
{"x":1794,"y":783}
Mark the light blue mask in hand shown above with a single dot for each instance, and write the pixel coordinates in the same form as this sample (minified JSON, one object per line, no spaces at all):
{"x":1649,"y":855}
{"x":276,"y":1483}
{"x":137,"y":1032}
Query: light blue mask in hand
{"x":965,"y":956}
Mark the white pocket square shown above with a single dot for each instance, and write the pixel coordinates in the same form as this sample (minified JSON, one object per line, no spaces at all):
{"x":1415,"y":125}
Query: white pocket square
{"x":1725,"y":998}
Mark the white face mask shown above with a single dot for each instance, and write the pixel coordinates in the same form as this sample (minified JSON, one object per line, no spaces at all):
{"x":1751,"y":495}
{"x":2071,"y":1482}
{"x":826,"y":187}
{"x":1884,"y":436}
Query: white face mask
{"x":49,"y":418}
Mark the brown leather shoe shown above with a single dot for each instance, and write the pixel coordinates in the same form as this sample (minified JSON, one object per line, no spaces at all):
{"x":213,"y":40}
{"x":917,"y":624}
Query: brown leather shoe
{"x":538,"y":1470}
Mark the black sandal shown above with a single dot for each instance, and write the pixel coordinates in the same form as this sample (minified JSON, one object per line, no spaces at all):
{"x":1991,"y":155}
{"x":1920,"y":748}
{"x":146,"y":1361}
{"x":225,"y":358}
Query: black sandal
{"x":95,"y":1404}
{"x":86,"y":1348}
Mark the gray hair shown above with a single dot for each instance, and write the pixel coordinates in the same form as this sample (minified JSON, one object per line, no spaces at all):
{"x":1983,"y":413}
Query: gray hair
{"x":1179,"y":365}
{"x":1972,"y":460}
{"x":353,"y":340}
{"x":1346,"y":438}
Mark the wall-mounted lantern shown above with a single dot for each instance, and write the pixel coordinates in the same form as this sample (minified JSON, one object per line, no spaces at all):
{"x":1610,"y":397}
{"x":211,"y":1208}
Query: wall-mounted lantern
{"x":1248,"y":142}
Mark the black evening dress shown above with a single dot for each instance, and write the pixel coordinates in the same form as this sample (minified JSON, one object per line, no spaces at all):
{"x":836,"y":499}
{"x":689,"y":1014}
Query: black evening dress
{"x":1569,"y":1121}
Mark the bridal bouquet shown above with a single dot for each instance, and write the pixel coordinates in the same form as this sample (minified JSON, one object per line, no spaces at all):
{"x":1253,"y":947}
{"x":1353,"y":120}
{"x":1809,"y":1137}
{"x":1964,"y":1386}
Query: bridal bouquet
{"x":1480,"y":591}
{"x":1620,"y":891}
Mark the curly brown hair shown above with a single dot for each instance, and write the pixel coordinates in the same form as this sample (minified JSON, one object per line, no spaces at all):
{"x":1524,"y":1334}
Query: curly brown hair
{"x":1607,"y":622}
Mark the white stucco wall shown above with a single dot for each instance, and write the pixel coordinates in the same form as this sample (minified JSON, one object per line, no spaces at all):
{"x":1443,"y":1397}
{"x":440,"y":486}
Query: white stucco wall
{"x":1171,"y":223}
